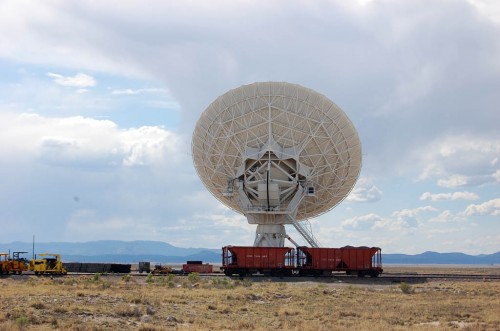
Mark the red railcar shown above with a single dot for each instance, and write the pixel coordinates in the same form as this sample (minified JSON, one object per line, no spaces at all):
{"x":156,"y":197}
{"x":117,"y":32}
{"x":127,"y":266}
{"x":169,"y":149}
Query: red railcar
{"x":353,"y":260}
{"x":245,"y":260}
{"x":305,"y":261}
{"x":197,"y":266}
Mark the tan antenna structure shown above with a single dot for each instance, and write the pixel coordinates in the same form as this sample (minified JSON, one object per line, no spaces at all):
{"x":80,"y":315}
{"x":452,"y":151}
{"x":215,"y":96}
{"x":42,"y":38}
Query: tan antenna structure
{"x":278,"y":153}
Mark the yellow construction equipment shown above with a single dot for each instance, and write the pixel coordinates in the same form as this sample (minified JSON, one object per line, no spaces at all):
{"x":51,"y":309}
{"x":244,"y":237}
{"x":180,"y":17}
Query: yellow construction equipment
{"x":48,"y":264}
{"x":161,"y":270}
{"x":17,"y":263}
{"x":4,"y":263}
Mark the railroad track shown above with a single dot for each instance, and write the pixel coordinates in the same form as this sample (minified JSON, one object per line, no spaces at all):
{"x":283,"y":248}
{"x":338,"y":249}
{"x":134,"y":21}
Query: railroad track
{"x":384,"y":277}
{"x":441,"y":276}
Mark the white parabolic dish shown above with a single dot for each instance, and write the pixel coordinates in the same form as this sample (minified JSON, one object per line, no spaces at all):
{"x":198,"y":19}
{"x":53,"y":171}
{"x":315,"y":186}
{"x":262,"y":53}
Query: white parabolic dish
{"x":276,"y":152}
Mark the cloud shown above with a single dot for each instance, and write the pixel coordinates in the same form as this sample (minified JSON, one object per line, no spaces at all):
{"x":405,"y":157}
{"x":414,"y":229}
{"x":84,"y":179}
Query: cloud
{"x":227,"y":220}
{"x":496,"y":175}
{"x":401,"y":214}
{"x":139,"y":91}
{"x":81,"y":141}
{"x":407,"y":218}
{"x":364,"y":191}
{"x":364,"y":222}
{"x":488,"y":8}
{"x":488,"y":208}
{"x":460,"y":160}
{"x":446,"y":216}
{"x":449,"y":196}
{"x":400,"y":221}
{"x":454,"y":181}
{"x":79,"y":80}
{"x":149,"y":145}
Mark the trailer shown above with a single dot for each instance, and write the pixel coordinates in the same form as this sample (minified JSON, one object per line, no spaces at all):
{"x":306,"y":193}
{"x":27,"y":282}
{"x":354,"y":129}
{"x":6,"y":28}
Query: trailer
{"x":197,"y":266}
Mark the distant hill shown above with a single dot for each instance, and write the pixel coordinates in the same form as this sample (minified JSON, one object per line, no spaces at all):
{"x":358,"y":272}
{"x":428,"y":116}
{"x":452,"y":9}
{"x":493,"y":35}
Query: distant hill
{"x":161,"y":252}
{"x":441,"y":258}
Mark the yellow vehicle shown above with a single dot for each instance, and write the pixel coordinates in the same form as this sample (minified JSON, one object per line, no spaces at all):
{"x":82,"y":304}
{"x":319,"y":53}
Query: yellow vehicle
{"x":17,"y":263}
{"x":4,"y":263}
{"x":161,"y":270}
{"x":48,"y":264}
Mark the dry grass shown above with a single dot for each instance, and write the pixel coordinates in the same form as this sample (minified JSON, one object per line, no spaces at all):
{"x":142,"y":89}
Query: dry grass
{"x":442,"y":269}
{"x":163,"y":303}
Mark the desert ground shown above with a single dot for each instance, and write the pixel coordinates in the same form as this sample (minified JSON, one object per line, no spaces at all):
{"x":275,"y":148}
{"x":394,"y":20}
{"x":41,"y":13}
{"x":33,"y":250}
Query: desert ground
{"x":125,"y":302}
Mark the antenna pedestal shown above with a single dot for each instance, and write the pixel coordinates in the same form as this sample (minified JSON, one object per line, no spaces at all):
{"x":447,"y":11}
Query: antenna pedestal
{"x":270,"y":235}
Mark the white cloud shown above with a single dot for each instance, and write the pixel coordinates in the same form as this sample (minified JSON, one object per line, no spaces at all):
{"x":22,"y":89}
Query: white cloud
{"x":400,"y":221}
{"x":227,"y":220}
{"x":364,"y":191}
{"x":488,"y":208}
{"x":488,"y":8}
{"x":407,"y":218}
{"x":496,"y":175}
{"x":79,"y":80}
{"x":80,"y":141}
{"x":446,"y":216}
{"x":453,"y":181}
{"x":460,"y":160}
{"x":139,"y":91}
{"x":449,"y":196}
{"x":364,"y":222}
{"x":404,"y":213}
{"x":150,"y":145}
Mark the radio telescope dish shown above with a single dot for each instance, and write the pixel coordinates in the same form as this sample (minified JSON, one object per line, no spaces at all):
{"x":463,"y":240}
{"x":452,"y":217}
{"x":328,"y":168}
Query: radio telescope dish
{"x":279,"y":153}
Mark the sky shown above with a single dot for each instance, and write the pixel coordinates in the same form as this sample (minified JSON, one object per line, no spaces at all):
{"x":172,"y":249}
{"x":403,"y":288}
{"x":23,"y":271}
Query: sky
{"x":99,"y":99}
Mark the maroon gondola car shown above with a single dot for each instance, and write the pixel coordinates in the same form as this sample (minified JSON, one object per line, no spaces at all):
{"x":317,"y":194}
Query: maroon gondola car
{"x":246,"y":260}
{"x":353,"y":260}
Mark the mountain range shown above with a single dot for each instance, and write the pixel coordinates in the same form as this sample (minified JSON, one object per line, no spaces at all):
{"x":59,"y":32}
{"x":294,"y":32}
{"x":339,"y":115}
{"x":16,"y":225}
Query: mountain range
{"x":161,"y":252}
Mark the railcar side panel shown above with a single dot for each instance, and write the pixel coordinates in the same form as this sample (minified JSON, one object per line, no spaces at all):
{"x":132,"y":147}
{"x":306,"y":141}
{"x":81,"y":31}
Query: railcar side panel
{"x":363,"y":260}
{"x":199,"y":268}
{"x":247,"y":259}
